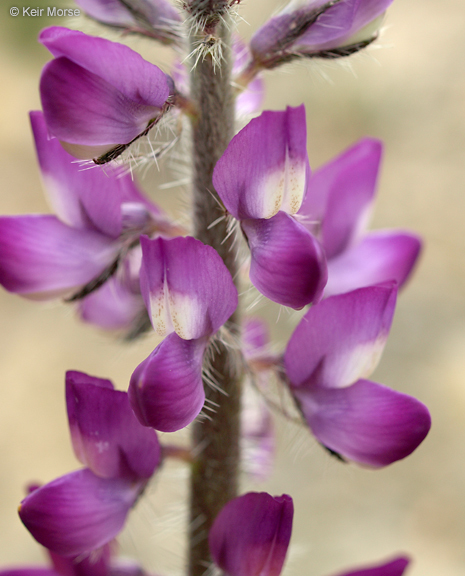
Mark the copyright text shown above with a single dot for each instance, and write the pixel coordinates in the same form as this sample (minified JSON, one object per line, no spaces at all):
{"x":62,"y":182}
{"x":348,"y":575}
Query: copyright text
{"x":49,"y":11}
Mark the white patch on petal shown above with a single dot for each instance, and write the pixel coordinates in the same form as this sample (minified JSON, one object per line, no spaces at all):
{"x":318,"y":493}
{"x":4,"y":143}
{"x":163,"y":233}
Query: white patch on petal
{"x":83,"y":152}
{"x":359,"y":363}
{"x":64,"y":205}
{"x":295,"y":181}
{"x":175,"y":312}
{"x":272,"y":189}
{"x":102,"y":447}
{"x":185,"y":316}
{"x":284,"y":189}
{"x":365,"y":33}
{"x":160,"y":311}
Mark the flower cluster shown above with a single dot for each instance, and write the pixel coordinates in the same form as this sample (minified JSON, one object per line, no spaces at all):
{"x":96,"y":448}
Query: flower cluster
{"x":126,"y":265}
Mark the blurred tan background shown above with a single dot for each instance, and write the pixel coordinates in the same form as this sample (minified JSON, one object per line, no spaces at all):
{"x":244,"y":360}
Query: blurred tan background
{"x":408,"y":90}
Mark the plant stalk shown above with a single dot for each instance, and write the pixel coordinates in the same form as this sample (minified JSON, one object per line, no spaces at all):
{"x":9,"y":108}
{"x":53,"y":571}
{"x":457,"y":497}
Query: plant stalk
{"x":214,"y":478}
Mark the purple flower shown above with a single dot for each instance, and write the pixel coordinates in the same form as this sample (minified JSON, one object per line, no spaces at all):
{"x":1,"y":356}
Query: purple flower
{"x":98,"y":96}
{"x":336,"y":208}
{"x":251,"y":534}
{"x":189,"y":295}
{"x":315,"y":28}
{"x":258,"y":442}
{"x":335,"y":347}
{"x":99,"y":219}
{"x":100,"y":562}
{"x":86,"y":509}
{"x":262,"y":179}
{"x":154,"y":18}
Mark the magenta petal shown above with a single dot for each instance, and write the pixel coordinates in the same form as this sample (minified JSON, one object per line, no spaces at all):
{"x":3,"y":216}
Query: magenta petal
{"x":84,"y":198}
{"x":339,"y":23}
{"x":258,"y":442}
{"x":265,"y":167}
{"x":395,"y":567}
{"x":340,"y":339}
{"x":251,"y":534}
{"x":116,"y":64}
{"x":366,"y":422}
{"x":255,"y":337}
{"x":95,"y":563}
{"x":106,"y":435}
{"x":113,"y":12}
{"x":112,"y":307}
{"x":166,"y":389}
{"x":82,"y":108}
{"x":42,"y":258}
{"x":340,"y":194}
{"x":186,"y":287}
{"x":32,"y":571}
{"x":379,"y":257}
{"x":78,"y":512}
{"x":97,"y":93}
{"x":287,"y":262}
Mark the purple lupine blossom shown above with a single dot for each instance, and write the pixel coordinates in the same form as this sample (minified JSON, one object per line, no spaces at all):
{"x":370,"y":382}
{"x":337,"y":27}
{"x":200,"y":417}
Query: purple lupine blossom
{"x":251,"y":534}
{"x":86,"y":509}
{"x":258,"y":434}
{"x":101,"y":562}
{"x":287,"y":262}
{"x":97,"y":95}
{"x":317,"y":28}
{"x":335,"y":347}
{"x":154,"y":18}
{"x":336,"y":208}
{"x":189,"y":295}
{"x":98,"y":221}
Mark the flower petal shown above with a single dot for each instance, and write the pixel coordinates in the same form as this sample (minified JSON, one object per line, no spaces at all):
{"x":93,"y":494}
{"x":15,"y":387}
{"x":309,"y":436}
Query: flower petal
{"x":106,"y":435}
{"x":265,"y":167}
{"x":81,"y":108}
{"x":340,"y":194}
{"x":166,"y":389}
{"x":42,"y":258}
{"x":186,"y":287}
{"x":251,"y":534}
{"x":287,"y":262}
{"x":78,"y":512}
{"x":380,"y":256}
{"x":84,"y":198}
{"x":25,"y":571}
{"x":97,"y":93}
{"x":117,"y":64}
{"x":112,"y":307}
{"x":341,"y":339}
{"x":113,"y":12}
{"x":258,"y":442}
{"x":395,"y":567}
{"x":255,"y":337}
{"x":337,"y":25}
{"x":95,"y":563}
{"x":366,"y":422}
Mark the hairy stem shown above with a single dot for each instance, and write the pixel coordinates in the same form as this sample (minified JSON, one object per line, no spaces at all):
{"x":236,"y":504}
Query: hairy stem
{"x":215,"y":470}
